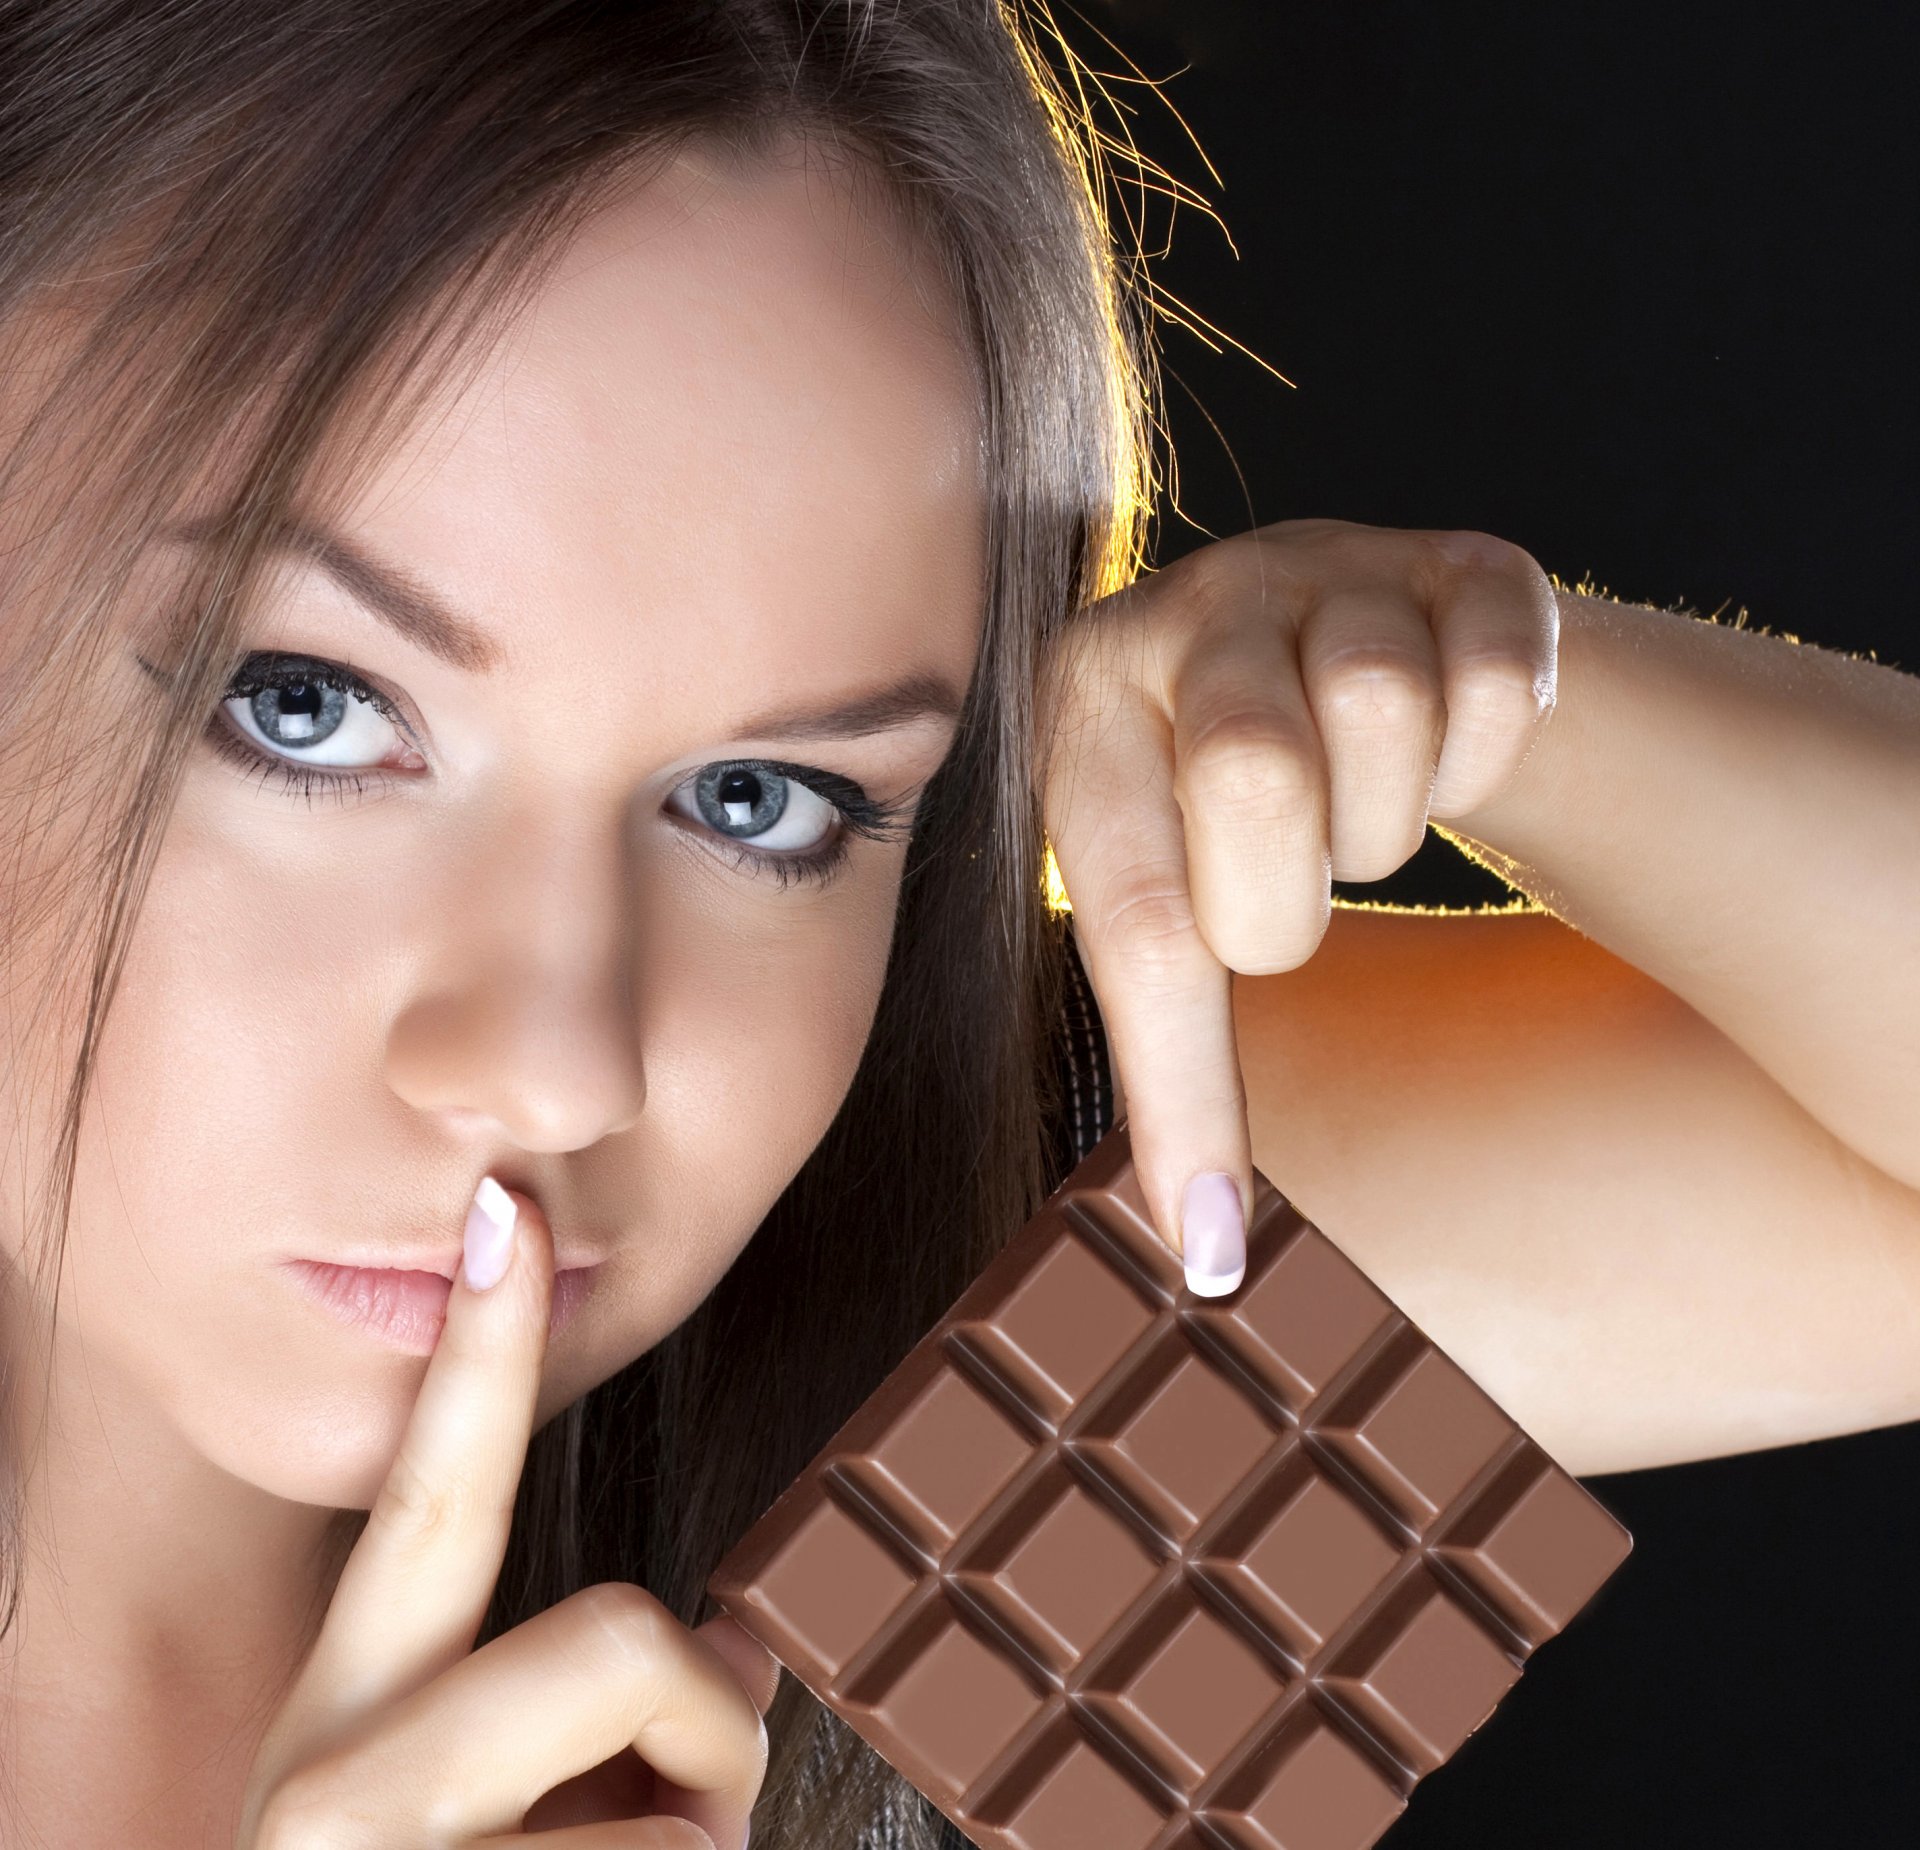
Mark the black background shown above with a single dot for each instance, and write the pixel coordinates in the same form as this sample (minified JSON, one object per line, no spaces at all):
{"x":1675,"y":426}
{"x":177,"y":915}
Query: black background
{"x":1633,"y":286}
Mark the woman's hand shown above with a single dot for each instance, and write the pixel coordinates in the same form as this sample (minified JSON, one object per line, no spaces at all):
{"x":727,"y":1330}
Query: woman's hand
{"x":1231,"y":734}
{"x":396,"y":1731}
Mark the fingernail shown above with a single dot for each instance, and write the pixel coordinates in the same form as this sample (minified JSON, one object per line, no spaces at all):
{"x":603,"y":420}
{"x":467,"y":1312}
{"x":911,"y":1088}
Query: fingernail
{"x":1213,"y":1231}
{"x":489,"y":1237}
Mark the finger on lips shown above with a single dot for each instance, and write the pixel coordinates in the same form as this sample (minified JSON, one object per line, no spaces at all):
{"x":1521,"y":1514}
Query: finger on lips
{"x":415,"y":1590}
{"x":394,"y":1700}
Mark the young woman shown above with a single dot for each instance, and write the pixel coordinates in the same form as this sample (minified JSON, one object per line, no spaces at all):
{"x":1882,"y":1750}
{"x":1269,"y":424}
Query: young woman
{"x":560,"y":569}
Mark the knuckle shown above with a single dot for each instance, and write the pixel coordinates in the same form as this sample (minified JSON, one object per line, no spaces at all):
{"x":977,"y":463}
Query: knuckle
{"x":1467,"y":546}
{"x":423,"y":1508}
{"x":1090,"y":627}
{"x":1249,"y":764}
{"x":1500,"y":689}
{"x":307,"y":1810}
{"x":1209,"y":581}
{"x":1377,"y":689}
{"x":1149,"y":914}
{"x":1070,"y":656}
{"x":628,"y":1620}
{"x":1082,"y":670}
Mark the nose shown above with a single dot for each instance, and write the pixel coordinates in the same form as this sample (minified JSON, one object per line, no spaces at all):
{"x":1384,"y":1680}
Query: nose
{"x":525,"y":1025}
{"x":552,"y":1061}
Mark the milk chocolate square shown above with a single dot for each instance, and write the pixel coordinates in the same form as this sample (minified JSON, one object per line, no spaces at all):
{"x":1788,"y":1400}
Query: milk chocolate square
{"x":1106,"y":1566}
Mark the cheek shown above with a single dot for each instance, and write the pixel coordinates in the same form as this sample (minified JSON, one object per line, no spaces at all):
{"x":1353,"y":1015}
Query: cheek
{"x":750,"y":1046}
{"x":227,"y":1127}
{"x":244,"y":1109}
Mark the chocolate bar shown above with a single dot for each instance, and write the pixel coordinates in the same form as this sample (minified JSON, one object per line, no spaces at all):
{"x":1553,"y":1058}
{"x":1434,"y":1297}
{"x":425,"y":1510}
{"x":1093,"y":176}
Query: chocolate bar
{"x":1103,"y":1565}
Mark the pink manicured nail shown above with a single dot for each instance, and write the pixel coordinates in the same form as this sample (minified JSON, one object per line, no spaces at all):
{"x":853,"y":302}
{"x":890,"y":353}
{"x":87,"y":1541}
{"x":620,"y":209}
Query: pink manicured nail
{"x":489,"y":1237}
{"x":1213,"y":1230}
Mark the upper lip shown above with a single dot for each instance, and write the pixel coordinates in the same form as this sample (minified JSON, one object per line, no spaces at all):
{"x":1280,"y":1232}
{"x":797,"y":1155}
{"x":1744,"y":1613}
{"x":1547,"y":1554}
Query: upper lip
{"x":443,"y":1264}
{"x":444,"y":1261}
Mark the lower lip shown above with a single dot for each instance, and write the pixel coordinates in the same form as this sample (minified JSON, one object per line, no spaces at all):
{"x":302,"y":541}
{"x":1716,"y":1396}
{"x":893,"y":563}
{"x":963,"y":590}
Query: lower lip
{"x":406,"y":1310}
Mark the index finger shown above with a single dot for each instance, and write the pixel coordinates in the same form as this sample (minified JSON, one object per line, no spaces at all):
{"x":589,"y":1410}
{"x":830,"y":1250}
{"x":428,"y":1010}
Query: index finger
{"x":415,"y":1590}
{"x":1166,"y":1000}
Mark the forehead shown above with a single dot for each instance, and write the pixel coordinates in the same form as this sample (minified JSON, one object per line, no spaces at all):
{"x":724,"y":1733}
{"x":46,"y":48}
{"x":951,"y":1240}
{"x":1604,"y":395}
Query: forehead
{"x":738,"y":413}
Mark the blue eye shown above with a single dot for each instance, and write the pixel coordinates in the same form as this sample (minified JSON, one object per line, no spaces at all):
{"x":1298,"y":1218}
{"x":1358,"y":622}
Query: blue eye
{"x":790,"y":821}
{"x":759,"y":807}
{"x":750,"y":803}
{"x":307,"y":705}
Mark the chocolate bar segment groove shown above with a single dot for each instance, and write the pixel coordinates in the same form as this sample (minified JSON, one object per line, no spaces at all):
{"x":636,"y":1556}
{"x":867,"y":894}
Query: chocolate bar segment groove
{"x":1106,"y":1566}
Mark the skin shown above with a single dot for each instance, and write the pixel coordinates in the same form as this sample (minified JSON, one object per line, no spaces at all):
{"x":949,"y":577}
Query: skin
{"x":1651,"y":1181}
{"x":517,"y":962}
{"x":1551,"y":1147}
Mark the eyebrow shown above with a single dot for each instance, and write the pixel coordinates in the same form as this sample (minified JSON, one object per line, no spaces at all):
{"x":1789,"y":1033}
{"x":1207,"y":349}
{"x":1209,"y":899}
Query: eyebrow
{"x":407,"y":606}
{"x":392,"y":594}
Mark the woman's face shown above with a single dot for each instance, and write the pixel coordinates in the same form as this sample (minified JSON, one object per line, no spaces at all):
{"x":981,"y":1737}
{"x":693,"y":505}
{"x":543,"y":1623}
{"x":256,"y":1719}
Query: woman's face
{"x":729,"y":467}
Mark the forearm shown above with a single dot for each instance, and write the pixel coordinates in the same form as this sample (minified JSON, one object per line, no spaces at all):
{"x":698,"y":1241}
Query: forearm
{"x":1609,"y":1215}
{"x":1739,"y":817}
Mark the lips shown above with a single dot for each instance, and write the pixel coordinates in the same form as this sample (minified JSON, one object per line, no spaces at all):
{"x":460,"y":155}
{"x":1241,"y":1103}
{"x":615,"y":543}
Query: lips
{"x":406,"y":1307}
{"x":442,"y":1265}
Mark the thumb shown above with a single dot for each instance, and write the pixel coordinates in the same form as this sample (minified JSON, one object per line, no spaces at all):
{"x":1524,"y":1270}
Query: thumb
{"x":758,"y":1672}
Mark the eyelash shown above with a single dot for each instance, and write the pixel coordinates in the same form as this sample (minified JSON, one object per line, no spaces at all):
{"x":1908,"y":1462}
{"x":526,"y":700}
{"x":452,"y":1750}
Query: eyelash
{"x":859,"y":813}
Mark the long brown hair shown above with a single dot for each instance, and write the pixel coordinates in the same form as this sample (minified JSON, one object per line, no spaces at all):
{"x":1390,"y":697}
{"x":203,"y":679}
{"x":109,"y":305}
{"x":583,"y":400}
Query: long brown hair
{"x":228,"y":229}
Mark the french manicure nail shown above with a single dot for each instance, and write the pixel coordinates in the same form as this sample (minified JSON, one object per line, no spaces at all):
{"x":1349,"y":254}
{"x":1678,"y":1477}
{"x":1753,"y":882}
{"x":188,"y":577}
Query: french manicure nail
{"x":1213,"y":1230}
{"x":489,"y":1236}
